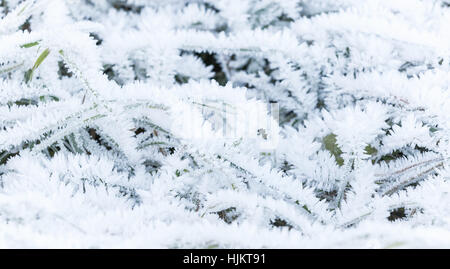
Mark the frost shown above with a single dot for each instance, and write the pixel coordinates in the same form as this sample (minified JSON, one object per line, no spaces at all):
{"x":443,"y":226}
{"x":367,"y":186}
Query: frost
{"x":231,"y":123}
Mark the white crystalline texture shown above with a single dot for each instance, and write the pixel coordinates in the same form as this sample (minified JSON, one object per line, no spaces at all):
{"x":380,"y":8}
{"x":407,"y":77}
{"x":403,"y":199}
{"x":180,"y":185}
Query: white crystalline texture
{"x":224,"y":123}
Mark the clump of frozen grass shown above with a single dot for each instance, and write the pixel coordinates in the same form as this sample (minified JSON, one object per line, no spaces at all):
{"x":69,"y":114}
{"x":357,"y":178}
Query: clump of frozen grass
{"x":149,"y":124}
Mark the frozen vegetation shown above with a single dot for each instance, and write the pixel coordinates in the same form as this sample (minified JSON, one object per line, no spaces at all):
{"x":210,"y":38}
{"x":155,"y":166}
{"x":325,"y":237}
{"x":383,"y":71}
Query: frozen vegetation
{"x":224,"y":123}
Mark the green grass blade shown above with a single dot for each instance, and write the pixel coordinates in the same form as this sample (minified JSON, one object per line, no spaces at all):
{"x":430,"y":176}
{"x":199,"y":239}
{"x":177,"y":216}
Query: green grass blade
{"x":40,"y":59}
{"x":29,"y":45}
